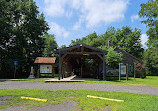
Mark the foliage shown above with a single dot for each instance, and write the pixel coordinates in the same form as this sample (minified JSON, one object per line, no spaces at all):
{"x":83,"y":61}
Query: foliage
{"x":149,"y":13}
{"x":151,"y":60}
{"x":50,"y":46}
{"x":63,"y":46}
{"x":125,"y":38}
{"x":129,"y":41}
{"x":113,"y":58}
{"x":21,"y":35}
{"x":140,"y":69}
{"x":132,"y":102}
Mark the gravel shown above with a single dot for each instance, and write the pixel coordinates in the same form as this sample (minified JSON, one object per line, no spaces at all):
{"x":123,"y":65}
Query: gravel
{"x":81,"y":86}
{"x":68,"y":106}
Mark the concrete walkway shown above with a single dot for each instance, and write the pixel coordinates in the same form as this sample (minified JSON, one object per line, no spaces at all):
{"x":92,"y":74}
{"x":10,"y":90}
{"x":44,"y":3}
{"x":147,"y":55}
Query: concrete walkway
{"x":68,"y":79}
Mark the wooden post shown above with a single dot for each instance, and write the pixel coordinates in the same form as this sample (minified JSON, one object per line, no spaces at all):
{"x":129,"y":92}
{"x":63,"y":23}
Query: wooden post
{"x":126,"y":72}
{"x":103,"y":66}
{"x":98,"y":71}
{"x":62,"y":71}
{"x":59,"y":65}
{"x":134,"y":73}
{"x":52,"y":71}
{"x":81,"y":70}
{"x":119,"y":72}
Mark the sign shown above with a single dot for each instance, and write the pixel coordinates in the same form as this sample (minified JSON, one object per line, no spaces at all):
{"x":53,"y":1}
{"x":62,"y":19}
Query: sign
{"x":131,"y":69}
{"x":45,"y":68}
{"x":15,"y":63}
{"x":123,"y":69}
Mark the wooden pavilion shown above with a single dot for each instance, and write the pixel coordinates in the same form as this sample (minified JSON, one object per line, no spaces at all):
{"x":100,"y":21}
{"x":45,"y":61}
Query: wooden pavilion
{"x":72,"y":57}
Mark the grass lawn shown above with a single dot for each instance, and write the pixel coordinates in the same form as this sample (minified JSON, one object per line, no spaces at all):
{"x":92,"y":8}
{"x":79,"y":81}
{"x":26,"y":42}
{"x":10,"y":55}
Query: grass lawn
{"x":148,"y":81}
{"x":133,"y":102}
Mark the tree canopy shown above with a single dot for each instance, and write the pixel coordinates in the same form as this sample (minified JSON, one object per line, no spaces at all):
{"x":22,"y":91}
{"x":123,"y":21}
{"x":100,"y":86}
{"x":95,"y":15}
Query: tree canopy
{"x":125,"y":38}
{"x":50,"y":45}
{"x":149,"y":11}
{"x":22,"y":28}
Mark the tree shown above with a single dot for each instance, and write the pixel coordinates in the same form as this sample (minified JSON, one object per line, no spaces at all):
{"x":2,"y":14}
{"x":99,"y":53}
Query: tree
{"x":129,"y":41}
{"x":21,"y":39}
{"x":125,"y":38}
{"x":151,"y":60}
{"x":113,"y":58}
{"x":50,"y":45}
{"x":149,"y":13}
{"x":63,"y":46}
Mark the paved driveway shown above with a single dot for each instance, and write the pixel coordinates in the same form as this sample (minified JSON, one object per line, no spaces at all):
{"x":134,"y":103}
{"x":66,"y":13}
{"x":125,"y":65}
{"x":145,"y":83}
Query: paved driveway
{"x":80,"y":86}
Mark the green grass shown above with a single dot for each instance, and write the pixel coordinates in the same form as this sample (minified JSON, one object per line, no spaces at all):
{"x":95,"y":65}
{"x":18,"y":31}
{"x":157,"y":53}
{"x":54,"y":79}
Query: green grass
{"x":133,"y":102}
{"x":148,"y":81}
{"x":48,"y":76}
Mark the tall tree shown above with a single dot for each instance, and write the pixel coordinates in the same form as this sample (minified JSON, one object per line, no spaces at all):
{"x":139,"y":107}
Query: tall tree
{"x":113,"y":58}
{"x":50,"y":45}
{"x":149,"y":11}
{"x":21,"y":38}
{"x":129,"y":41}
{"x":125,"y":38}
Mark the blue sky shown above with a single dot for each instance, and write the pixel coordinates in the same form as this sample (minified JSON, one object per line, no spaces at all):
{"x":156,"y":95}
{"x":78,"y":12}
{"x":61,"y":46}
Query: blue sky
{"x":71,"y":19}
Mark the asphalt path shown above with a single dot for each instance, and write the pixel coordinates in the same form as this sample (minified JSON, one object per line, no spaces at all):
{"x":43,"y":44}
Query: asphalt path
{"x":80,"y":86}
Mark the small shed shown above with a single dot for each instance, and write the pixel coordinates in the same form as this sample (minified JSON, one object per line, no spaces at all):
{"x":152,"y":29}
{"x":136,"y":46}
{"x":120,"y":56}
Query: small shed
{"x":45,"y":65}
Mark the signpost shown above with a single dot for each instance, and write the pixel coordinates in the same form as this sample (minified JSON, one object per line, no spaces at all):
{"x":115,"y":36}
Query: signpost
{"x":15,"y":64}
{"x":123,"y":68}
{"x":131,"y":70}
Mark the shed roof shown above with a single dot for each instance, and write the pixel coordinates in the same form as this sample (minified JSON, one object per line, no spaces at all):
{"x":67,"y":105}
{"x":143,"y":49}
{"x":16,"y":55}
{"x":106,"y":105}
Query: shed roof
{"x":46,"y":60}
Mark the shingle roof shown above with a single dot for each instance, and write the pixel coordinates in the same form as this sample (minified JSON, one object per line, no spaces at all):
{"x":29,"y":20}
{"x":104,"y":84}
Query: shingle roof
{"x":45,"y":60}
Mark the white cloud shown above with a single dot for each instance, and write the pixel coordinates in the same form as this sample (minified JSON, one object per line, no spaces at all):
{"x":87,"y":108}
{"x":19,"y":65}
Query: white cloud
{"x":56,"y":8}
{"x":91,"y":12}
{"x":103,"y":11}
{"x":134,"y":17}
{"x":144,"y":39}
{"x":78,"y":24}
{"x":58,"y":30}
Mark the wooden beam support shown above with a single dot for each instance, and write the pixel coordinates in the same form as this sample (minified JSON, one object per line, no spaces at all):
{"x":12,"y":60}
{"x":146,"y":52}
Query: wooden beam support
{"x":63,"y":56}
{"x":103,"y":66}
{"x":82,"y":49}
{"x":93,"y":53}
{"x":60,"y":64}
{"x":100,"y":56}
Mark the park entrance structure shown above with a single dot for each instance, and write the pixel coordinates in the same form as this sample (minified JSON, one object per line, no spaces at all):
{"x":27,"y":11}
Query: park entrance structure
{"x":71,"y":61}
{"x":45,"y":65}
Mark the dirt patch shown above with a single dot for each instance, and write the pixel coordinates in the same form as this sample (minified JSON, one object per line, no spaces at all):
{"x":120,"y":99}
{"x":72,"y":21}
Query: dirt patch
{"x":67,"y":106}
{"x":4,"y":98}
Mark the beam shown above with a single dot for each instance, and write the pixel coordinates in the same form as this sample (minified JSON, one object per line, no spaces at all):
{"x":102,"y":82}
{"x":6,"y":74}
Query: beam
{"x":63,"y":56}
{"x":60,"y":64}
{"x":100,"y":56}
{"x":94,"y":48}
{"x":103,"y":66}
{"x":82,"y":49}
{"x":93,"y":53}
{"x":68,"y":48}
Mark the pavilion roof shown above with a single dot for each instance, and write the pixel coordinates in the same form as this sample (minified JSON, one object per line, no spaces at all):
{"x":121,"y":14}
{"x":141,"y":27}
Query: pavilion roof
{"x":46,"y":60}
